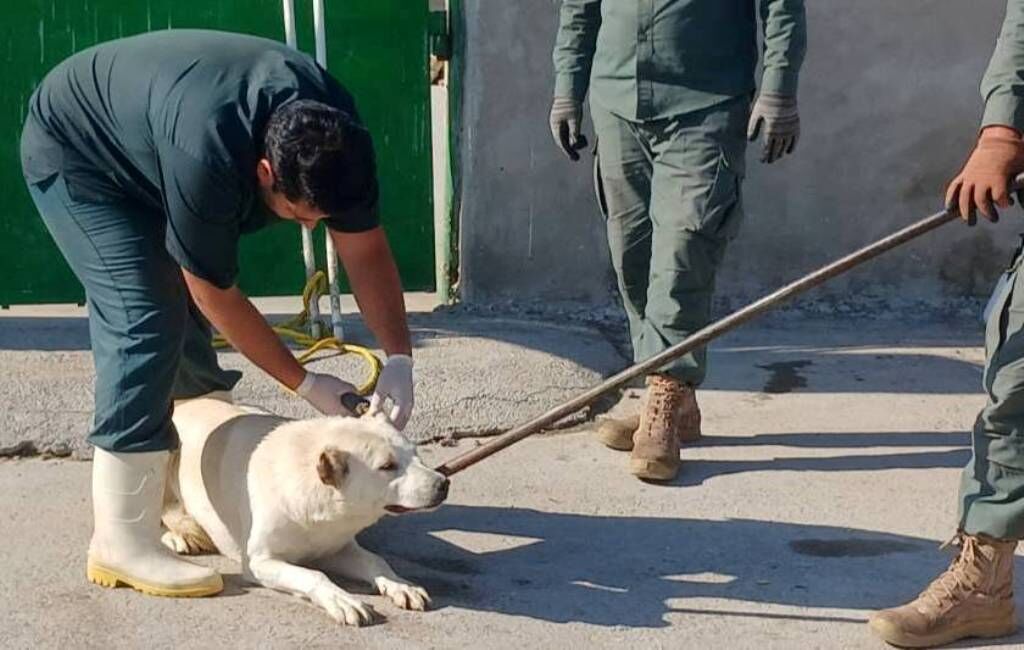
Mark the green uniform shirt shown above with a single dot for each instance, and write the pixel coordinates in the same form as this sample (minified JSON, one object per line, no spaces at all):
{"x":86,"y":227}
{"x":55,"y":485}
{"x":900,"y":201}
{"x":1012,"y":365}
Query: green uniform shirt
{"x":172,"y":120}
{"x":1003,"y":84}
{"x":649,"y":59}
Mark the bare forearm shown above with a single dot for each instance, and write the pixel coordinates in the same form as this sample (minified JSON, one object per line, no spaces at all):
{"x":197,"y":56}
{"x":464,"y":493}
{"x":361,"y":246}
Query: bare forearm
{"x":999,"y":131}
{"x":374,"y":279}
{"x":246,"y":330}
{"x":383,"y":307}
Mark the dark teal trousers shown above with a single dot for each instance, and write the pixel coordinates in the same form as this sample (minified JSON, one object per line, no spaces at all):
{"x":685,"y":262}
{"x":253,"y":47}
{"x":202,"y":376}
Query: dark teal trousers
{"x":992,"y":487}
{"x":670,"y":190}
{"x":150,"y":344}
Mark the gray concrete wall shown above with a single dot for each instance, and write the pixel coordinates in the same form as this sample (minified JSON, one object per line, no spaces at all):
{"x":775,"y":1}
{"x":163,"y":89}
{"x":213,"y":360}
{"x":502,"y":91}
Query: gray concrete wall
{"x":889,"y":107}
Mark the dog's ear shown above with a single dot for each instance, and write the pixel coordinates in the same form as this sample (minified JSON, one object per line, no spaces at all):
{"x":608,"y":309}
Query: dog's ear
{"x":332,"y":466}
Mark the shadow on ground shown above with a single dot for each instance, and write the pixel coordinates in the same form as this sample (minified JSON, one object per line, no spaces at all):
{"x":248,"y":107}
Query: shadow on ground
{"x":696,"y":472}
{"x":636,"y":571}
{"x":843,"y":440}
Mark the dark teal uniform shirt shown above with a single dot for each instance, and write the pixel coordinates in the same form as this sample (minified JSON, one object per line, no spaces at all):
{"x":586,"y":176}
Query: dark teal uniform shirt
{"x":1003,"y":84}
{"x":649,"y":59}
{"x":172,"y":120}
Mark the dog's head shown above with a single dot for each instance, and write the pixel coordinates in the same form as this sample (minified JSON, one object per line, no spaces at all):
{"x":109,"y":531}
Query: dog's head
{"x":376,"y":469}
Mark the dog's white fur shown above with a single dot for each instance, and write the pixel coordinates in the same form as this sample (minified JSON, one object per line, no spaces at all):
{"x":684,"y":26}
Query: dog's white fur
{"x":284,"y":496}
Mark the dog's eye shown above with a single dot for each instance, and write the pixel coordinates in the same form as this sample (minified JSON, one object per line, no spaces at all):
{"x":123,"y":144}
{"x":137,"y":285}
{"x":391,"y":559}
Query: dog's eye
{"x":389,"y":466}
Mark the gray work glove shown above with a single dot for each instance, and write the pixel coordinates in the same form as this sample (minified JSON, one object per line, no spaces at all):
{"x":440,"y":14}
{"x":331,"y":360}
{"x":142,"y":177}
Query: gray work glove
{"x":565,"y":120}
{"x":781,"y":122}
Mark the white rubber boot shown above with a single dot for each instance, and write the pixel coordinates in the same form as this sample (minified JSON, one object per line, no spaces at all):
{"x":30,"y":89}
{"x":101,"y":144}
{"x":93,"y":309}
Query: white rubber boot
{"x":127,"y":498}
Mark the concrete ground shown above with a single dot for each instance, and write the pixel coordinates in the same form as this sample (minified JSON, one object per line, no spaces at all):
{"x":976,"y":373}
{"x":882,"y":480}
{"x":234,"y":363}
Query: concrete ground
{"x":477,"y":375}
{"x":822,"y":488}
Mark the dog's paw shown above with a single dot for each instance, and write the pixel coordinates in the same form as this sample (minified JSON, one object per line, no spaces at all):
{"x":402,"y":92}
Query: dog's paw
{"x":187,"y":544}
{"x":343,"y":608}
{"x":176,"y":543}
{"x":403,"y":594}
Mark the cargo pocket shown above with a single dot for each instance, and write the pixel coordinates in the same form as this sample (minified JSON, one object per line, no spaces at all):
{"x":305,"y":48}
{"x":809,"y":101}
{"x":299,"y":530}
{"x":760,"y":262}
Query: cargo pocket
{"x":1003,"y":416}
{"x":602,"y":204}
{"x":1004,"y":314}
{"x":722,"y":213}
{"x":1014,"y":300}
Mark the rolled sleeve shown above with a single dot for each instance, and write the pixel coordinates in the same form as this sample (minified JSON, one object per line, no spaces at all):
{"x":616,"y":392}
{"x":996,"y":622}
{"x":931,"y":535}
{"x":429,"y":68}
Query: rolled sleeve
{"x":1002,"y":88}
{"x":203,"y":209}
{"x":1004,"y":110}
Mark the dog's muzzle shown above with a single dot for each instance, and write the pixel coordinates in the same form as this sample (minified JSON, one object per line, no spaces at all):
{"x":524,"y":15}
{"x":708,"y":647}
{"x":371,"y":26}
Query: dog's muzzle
{"x":439,"y":496}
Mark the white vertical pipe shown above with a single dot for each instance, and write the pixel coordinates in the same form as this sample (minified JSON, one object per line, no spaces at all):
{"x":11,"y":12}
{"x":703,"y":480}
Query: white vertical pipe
{"x":320,"y":33}
{"x":289,"y":22}
{"x":332,"y":280}
{"x":320,"y":36}
{"x":308,"y":259}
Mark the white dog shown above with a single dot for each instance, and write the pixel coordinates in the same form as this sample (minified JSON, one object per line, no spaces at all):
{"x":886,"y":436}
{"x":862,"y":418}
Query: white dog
{"x":282,"y":495}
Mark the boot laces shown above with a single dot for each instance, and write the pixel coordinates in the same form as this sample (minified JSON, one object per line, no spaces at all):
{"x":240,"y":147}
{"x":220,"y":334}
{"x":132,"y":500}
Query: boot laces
{"x":959,"y":577}
{"x":663,"y":401}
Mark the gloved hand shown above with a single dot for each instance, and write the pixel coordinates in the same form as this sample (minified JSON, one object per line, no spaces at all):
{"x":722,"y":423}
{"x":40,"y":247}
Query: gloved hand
{"x":324,"y":393}
{"x":781,"y":122}
{"x":986,"y":176}
{"x":565,"y":120}
{"x":395,"y":384}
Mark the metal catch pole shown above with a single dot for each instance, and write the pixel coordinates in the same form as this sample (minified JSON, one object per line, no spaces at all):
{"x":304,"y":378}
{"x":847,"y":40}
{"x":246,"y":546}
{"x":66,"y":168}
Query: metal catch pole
{"x":703,"y":336}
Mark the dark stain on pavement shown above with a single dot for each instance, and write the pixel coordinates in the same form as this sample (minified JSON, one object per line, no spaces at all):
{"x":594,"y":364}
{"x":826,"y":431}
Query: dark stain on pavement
{"x":851,"y":547}
{"x":785,"y":376}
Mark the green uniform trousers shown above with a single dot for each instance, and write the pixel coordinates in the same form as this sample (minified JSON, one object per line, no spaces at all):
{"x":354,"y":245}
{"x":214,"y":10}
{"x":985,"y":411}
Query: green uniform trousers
{"x":150,"y":344}
{"x":670,"y":191}
{"x":992,"y":487}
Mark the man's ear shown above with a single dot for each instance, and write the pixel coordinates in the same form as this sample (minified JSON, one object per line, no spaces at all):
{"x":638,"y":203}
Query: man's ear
{"x":265,"y":173}
{"x":332,"y":466}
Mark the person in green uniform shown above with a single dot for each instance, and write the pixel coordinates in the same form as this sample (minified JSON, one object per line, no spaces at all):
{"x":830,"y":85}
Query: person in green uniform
{"x":147,"y":158}
{"x":974,"y":597}
{"x":670,"y":84}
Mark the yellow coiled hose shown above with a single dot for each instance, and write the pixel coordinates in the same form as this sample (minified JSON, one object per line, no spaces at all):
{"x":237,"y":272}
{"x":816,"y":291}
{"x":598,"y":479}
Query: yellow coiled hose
{"x":293,"y":330}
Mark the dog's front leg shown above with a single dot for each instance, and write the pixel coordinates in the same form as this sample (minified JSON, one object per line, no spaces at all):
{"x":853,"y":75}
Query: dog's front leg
{"x":314,"y":585}
{"x":356,"y":563}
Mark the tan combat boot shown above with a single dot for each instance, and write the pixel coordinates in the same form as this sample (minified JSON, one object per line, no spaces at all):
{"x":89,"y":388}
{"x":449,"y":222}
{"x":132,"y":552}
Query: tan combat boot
{"x":973,"y":598}
{"x":617,"y":433}
{"x":670,"y":415}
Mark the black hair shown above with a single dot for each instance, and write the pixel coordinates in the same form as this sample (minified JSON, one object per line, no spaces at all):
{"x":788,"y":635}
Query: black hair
{"x":320,"y":155}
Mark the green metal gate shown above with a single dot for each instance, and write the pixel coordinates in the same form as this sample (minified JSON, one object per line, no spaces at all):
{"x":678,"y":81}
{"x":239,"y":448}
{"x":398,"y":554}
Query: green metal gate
{"x":379,"y":49}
